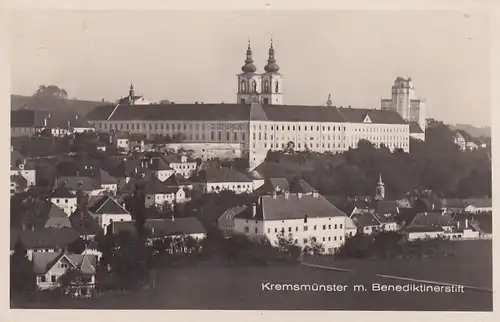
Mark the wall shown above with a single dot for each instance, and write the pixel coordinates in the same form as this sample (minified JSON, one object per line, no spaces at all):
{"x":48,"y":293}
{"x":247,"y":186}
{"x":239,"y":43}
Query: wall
{"x":68,"y":205}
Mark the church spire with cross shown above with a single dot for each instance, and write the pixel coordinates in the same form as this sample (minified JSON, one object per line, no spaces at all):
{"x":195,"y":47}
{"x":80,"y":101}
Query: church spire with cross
{"x":272,"y":81}
{"x":380,"y":189}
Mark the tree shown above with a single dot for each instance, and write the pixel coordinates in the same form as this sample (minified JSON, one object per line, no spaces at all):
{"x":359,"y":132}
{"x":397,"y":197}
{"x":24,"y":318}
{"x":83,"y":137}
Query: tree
{"x":50,"y":92}
{"x":138,"y":209}
{"x":22,"y":276}
{"x":314,"y":247}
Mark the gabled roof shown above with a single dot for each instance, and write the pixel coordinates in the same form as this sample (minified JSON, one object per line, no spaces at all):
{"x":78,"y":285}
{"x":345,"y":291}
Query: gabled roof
{"x":230,"y":213}
{"x":84,"y":223}
{"x":301,"y":186}
{"x":56,"y":212}
{"x":80,"y":183}
{"x":176,"y":180}
{"x":274,"y":184}
{"x":221,"y":174}
{"x":107,"y":205}
{"x":162,"y":227}
{"x":280,"y":207}
{"x":19,"y":180}
{"x":45,"y":237}
{"x":43,"y":262}
{"x":58,"y":222}
{"x":154,"y":186}
{"x":478,"y":202}
{"x":62,"y":191}
{"x":432,"y":219}
{"x":106,"y":178}
{"x":365,"y":219}
{"x":383,"y":207}
{"x":176,"y":158}
{"x":158,"y":164}
{"x":27,"y":118}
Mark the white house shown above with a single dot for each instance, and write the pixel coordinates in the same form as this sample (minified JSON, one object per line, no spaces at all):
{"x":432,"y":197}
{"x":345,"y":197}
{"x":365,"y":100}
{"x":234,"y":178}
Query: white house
{"x":459,"y":140}
{"x":19,"y":166}
{"x":471,"y":146}
{"x":181,"y":164}
{"x":166,"y":228}
{"x":50,"y":267}
{"x":64,"y":199}
{"x":107,"y":210}
{"x":478,"y":205}
{"x":217,"y":179}
{"x":304,"y":217}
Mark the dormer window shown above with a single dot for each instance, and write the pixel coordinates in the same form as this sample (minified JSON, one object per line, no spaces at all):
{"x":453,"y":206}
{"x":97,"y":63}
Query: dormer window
{"x":305,"y":219}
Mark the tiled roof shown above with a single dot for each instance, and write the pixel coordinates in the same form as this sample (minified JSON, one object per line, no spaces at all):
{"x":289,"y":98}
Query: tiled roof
{"x":478,"y":202}
{"x":366,"y":219}
{"x":80,"y":183}
{"x":175,"y":158}
{"x":230,"y":213}
{"x":56,"y":212}
{"x":27,"y":118}
{"x":158,"y":164}
{"x":201,"y":112}
{"x":106,"y":178}
{"x":386,"y":207}
{"x":84,"y":223}
{"x":415,"y":128}
{"x":163,"y":227}
{"x":62,"y":191}
{"x":58,"y":222}
{"x":154,"y":186}
{"x":222,"y":174}
{"x":301,"y":186}
{"x":273,"y":184}
{"x":107,"y":205}
{"x":43,"y":262}
{"x":244,"y":112}
{"x":432,"y":218}
{"x":45,"y":237}
{"x":176,"y":180}
{"x":293,"y":207}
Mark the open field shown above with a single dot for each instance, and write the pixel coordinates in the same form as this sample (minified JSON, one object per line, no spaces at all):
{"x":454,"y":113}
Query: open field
{"x":241,"y":288}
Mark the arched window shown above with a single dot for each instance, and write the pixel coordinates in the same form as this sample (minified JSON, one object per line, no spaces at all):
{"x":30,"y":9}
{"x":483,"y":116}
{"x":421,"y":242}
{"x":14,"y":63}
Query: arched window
{"x":266,"y":86}
{"x":277,"y":87}
{"x":243,"y":86}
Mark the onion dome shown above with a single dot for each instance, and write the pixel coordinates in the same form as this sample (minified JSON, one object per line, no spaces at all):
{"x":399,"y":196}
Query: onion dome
{"x":271,"y":66}
{"x":249,"y":67}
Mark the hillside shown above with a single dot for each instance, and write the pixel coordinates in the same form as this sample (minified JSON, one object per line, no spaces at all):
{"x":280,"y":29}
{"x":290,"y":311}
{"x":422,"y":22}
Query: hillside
{"x":70,"y":106}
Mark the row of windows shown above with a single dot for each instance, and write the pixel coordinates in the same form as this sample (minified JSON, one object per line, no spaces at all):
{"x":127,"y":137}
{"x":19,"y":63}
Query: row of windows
{"x":327,"y":128}
{"x":170,"y":126}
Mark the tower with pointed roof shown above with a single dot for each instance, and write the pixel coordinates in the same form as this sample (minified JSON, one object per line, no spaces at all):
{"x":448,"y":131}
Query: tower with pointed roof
{"x":249,"y":82}
{"x":272,"y":81}
{"x":380,"y":189}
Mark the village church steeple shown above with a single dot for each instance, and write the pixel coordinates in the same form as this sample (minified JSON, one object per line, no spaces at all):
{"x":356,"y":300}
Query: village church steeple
{"x":380,"y":189}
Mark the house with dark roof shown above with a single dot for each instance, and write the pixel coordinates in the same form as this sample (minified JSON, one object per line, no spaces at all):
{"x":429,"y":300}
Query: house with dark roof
{"x":181,"y":164}
{"x":106,"y":210}
{"x":305,"y":217}
{"x":272,"y":185}
{"x":225,"y":223}
{"x":83,"y":222}
{"x":19,"y":166}
{"x":63,"y":198}
{"x":165,"y":228}
{"x":91,"y":186}
{"x":17,"y":184}
{"x":57,"y":218}
{"x":429,"y":224}
{"x":26,"y":122}
{"x":50,"y":269}
{"x":371,"y":221}
{"x":478,"y":205}
{"x":217,"y":179}
{"x":43,"y":240}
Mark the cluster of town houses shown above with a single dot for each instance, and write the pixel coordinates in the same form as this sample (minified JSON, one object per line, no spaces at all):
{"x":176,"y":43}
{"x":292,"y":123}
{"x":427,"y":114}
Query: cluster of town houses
{"x":91,"y":201}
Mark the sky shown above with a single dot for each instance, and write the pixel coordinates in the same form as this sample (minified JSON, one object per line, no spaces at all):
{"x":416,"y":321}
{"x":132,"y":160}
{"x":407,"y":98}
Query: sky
{"x":188,"y":56}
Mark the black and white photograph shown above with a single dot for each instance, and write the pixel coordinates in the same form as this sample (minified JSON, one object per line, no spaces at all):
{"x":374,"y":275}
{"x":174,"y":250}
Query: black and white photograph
{"x":251,"y":160}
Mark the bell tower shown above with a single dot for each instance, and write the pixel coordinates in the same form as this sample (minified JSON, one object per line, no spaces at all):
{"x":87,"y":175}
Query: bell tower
{"x":272,"y":81}
{"x":249,"y":82}
{"x":380,"y":189}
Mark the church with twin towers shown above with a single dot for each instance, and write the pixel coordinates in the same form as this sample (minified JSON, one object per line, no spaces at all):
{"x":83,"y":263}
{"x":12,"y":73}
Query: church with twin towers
{"x":265,"y":88}
{"x":260,"y":121}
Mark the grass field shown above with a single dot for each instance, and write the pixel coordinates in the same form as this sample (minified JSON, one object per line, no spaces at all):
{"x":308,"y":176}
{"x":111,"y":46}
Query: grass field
{"x":241,"y":288}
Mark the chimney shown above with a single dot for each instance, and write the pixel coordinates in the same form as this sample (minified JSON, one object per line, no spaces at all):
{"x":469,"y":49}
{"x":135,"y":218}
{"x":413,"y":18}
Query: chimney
{"x":466,"y":223}
{"x":287,"y":194}
{"x":45,"y":122}
{"x":135,"y":170}
{"x":433,"y":206}
{"x":299,"y":195}
{"x":458,"y":225}
{"x":152,"y":231}
{"x":173,"y":218}
{"x":259,"y":200}
{"x":254,"y":210}
{"x":315,"y":194}
{"x":274,"y":194}
{"x":77,"y":173}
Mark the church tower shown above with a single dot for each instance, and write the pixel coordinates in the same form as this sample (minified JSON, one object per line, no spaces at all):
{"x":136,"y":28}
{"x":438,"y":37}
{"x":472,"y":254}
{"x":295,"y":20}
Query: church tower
{"x":272,"y":81}
{"x":249,"y":82}
{"x":380,"y":190}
